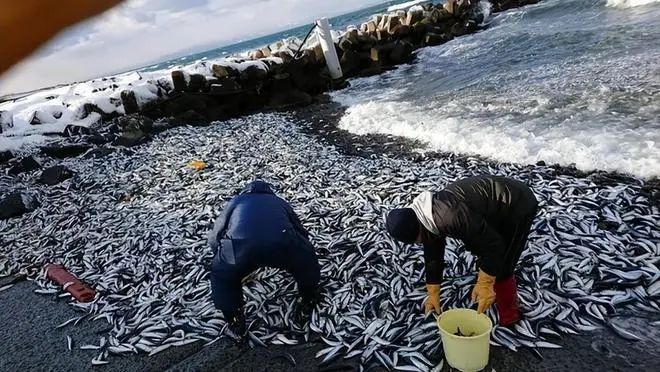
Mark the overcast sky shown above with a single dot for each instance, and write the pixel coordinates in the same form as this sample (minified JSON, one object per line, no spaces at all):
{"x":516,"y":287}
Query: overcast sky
{"x":139,"y":32}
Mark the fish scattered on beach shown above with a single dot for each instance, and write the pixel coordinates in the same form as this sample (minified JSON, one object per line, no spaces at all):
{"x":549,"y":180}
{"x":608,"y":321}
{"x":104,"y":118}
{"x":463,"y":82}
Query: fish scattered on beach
{"x":134,"y":225}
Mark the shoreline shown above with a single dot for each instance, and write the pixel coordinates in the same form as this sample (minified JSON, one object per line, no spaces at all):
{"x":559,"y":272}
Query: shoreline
{"x":322,"y":120}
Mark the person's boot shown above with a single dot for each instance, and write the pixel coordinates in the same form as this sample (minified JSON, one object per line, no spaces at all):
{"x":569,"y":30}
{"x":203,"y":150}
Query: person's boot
{"x":307,"y":305}
{"x":236,"y":328}
{"x":506,"y":299}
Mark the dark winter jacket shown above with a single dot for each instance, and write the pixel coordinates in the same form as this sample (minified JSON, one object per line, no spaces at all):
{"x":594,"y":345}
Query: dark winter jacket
{"x":258,"y":229}
{"x":479,"y":211}
{"x":255,"y":214}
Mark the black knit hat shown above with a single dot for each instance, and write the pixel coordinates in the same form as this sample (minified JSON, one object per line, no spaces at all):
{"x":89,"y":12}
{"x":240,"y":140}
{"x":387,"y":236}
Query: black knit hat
{"x":403,"y":225}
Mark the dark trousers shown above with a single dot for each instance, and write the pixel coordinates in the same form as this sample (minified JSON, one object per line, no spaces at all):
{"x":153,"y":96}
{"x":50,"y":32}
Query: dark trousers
{"x":515,"y":235}
{"x":236,"y":259}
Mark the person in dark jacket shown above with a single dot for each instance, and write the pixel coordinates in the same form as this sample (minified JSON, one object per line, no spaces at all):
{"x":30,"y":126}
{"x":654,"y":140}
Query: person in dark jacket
{"x":258,"y":229}
{"x":492,"y":216}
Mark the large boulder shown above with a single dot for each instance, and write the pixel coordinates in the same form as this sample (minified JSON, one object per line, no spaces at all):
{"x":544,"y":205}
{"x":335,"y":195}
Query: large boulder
{"x":432,"y":38}
{"x":471,"y":26}
{"x":401,"y":31}
{"x":133,"y":122}
{"x":350,"y":63}
{"x":402,"y":52}
{"x":99,"y":139}
{"x":5,"y":156}
{"x":346,"y":44}
{"x":187,"y":102}
{"x":307,"y":77}
{"x":129,"y":101}
{"x":350,"y":40}
{"x":380,"y":54}
{"x":451,"y":6}
{"x":61,"y":151}
{"x":221,"y":71}
{"x":130,"y":139}
{"x":413,"y":16}
{"x":16,"y":204}
{"x":223,"y":86}
{"x":196,"y":83}
{"x":190,"y":117}
{"x":442,"y":15}
{"x":26,"y":164}
{"x":459,"y":29}
{"x":45,"y":117}
{"x":353,"y":35}
{"x":419,"y":28}
{"x":54,"y":175}
{"x":253,"y":73}
{"x":318,"y":53}
{"x":179,"y":81}
{"x":256,"y":54}
{"x":89,"y":108}
{"x":308,"y":57}
{"x":370,"y":26}
{"x":284,"y":95}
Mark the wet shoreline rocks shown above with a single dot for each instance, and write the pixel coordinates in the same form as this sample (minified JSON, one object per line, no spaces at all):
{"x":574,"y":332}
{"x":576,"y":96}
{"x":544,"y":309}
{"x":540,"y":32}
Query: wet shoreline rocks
{"x":16,"y":204}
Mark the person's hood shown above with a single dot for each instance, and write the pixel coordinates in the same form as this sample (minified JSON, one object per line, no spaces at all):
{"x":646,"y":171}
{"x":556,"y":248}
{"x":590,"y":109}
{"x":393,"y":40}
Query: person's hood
{"x":257,"y":187}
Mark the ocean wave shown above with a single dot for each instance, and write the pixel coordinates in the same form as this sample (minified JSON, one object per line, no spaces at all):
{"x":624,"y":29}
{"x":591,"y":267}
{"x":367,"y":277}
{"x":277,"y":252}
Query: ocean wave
{"x":629,"y":3}
{"x":582,"y":90}
{"x":588,"y":147}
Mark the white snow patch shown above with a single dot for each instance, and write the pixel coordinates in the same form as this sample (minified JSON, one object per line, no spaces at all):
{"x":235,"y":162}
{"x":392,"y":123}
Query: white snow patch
{"x":58,"y":107}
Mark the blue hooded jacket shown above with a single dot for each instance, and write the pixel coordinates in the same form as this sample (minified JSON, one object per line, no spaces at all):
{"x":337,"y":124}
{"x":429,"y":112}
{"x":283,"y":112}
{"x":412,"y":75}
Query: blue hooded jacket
{"x":255,"y":214}
{"x":254,"y":230}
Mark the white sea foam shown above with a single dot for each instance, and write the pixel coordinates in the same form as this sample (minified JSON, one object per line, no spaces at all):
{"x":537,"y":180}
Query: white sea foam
{"x":590,"y":148}
{"x":629,"y":3}
{"x":486,"y":9}
{"x":564,"y":92}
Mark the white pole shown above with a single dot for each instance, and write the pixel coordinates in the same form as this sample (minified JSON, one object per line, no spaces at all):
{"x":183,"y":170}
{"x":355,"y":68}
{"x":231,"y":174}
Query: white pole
{"x":328,"y":46}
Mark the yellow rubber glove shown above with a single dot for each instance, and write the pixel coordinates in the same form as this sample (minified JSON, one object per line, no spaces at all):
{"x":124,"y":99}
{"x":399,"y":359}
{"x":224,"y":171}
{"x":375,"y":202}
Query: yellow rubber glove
{"x":433,"y":301}
{"x":484,"y":291}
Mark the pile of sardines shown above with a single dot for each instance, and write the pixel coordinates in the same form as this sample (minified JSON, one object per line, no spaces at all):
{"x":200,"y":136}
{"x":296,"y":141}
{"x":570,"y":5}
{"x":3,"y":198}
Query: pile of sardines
{"x":134,"y":226}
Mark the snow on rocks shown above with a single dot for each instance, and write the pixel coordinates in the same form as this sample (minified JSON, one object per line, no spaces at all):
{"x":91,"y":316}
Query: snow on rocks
{"x":25,"y":121}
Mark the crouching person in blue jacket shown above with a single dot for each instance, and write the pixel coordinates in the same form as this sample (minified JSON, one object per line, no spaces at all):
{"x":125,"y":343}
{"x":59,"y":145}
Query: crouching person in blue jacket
{"x":258,"y":229}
